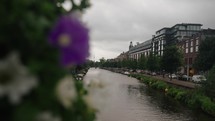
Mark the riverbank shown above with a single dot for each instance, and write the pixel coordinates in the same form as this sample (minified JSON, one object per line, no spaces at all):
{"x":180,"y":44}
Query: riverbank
{"x":174,"y":82}
{"x":192,"y":98}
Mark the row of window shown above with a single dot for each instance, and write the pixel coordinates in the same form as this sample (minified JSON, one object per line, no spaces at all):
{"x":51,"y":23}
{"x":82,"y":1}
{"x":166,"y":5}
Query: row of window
{"x":192,"y":46}
{"x":189,"y":27}
{"x":191,"y":43}
{"x":191,"y":49}
{"x":138,"y":55}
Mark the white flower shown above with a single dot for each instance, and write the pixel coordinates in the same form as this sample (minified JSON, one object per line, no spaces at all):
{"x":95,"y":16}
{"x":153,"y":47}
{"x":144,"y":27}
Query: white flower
{"x":47,"y":116}
{"x":66,"y":91}
{"x":15,"y":80}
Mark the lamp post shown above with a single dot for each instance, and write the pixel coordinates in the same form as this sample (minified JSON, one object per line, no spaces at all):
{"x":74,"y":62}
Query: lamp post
{"x":188,"y":68}
{"x":187,"y":53}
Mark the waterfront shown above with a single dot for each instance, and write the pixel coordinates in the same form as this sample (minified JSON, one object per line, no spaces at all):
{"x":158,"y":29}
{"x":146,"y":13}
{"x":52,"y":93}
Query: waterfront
{"x":121,"y":98}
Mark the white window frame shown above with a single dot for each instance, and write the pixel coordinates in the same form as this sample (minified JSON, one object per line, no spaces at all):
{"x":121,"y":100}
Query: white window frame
{"x":197,"y":48}
{"x":186,"y":50}
{"x":197,"y":42}
{"x":191,"y":49}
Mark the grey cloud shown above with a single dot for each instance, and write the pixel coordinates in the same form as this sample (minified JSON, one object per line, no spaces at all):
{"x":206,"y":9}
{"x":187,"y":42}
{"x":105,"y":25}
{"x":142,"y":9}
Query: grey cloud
{"x":113,"y":21}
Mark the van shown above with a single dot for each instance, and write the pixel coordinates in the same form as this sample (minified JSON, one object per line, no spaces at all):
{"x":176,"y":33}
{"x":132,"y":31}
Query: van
{"x":198,"y":78}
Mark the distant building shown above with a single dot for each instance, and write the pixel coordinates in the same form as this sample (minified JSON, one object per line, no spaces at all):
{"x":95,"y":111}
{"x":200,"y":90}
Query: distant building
{"x":187,"y":36}
{"x":122,"y":56}
{"x":159,"y":40}
{"x":173,"y":35}
{"x":135,"y":52}
{"x":190,"y":48}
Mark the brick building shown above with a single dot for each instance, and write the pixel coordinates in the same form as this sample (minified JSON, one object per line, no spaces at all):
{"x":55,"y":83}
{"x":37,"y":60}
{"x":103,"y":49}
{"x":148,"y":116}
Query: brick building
{"x":190,"y":48}
{"x":122,"y":56}
{"x":172,"y":35}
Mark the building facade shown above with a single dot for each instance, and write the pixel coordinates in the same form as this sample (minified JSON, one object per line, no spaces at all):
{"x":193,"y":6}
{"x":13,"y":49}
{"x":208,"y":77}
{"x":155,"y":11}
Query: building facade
{"x":159,"y":40}
{"x":173,"y":35}
{"x":141,"y":49}
{"x":122,"y":56}
{"x":190,"y":48}
{"x":187,"y":36}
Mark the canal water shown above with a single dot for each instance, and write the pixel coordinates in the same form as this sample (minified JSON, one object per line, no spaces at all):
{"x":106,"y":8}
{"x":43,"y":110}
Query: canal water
{"x":121,"y":98}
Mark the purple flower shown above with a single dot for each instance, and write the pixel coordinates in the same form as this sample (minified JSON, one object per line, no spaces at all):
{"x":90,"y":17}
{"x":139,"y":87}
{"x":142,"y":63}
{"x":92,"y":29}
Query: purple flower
{"x":71,"y":37}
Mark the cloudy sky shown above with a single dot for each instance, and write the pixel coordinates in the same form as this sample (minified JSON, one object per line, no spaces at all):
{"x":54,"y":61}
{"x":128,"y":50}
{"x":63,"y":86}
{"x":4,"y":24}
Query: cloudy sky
{"x":114,"y":23}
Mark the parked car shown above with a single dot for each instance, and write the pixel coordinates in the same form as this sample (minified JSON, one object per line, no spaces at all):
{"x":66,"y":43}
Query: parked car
{"x":173,"y":76}
{"x":126,"y":73}
{"x":198,"y":78}
{"x":138,"y":71}
{"x":153,"y":74}
{"x":184,"y":77}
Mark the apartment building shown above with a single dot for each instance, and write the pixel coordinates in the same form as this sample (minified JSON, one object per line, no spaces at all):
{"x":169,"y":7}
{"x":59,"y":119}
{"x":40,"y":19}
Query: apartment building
{"x":173,"y":35}
{"x":190,"y":48}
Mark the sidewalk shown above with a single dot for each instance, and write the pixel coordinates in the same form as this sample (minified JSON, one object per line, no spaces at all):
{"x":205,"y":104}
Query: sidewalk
{"x":186,"y":84}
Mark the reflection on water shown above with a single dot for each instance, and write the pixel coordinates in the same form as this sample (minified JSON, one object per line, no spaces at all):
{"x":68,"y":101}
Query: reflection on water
{"x":121,"y":98}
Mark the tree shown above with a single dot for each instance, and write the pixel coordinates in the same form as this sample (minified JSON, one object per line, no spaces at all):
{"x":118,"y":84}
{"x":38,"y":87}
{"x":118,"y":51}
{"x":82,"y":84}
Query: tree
{"x":172,"y":59}
{"x":142,"y":62}
{"x":208,"y":86}
{"x":153,"y":62}
{"x":206,"y":56}
{"x":102,"y":61}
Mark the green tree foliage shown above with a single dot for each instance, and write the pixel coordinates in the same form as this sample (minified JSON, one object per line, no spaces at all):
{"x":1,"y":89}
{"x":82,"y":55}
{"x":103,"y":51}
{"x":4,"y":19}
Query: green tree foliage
{"x":133,"y":64}
{"x":153,"y":63}
{"x":124,"y":63}
{"x":142,"y":62}
{"x":209,"y":84}
{"x":206,"y":56}
{"x":102,"y":61}
{"x":172,"y":59}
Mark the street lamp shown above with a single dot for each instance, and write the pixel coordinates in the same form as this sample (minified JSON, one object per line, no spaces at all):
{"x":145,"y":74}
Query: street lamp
{"x":188,"y":68}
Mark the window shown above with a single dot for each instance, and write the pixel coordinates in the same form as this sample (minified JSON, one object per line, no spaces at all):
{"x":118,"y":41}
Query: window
{"x":197,"y":42}
{"x":186,"y":50}
{"x":186,"y":43}
{"x":191,"y":49}
{"x":191,"y":44}
{"x":197,"y":48}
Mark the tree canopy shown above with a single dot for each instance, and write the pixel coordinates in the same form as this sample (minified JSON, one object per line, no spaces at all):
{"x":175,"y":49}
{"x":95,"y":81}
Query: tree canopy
{"x":208,"y":86}
{"x":206,"y":56}
{"x":142,"y":62}
{"x":172,"y":59}
{"x":153,"y":62}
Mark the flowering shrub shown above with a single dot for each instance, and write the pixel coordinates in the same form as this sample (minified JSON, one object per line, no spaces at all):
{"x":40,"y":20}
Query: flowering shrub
{"x":34,"y":84}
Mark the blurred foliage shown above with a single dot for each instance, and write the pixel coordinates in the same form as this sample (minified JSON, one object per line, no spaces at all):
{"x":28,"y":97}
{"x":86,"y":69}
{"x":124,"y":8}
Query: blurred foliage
{"x":194,"y":99}
{"x":172,"y":59}
{"x":206,"y":56}
{"x":153,"y":62}
{"x":142,"y":62}
{"x":209,"y":84}
{"x":24,"y":26}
